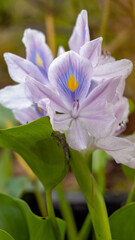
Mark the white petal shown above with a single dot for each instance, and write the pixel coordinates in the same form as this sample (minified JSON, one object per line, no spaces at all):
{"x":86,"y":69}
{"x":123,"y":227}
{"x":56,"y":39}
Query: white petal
{"x":25,"y":115}
{"x":14,"y":97}
{"x":121,"y":68}
{"x":60,"y":122}
{"x":80,"y":33}
{"x":121,"y":149}
{"x":92,"y":50}
{"x":32,"y":33}
{"x":19,"y":68}
{"x":39,"y":91}
{"x":103,"y":59}
{"x":61,"y":50}
{"x":77,"y":136}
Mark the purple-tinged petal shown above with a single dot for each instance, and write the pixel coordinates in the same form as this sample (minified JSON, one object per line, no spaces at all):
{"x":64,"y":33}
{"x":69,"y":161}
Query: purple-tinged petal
{"x":14,"y":97}
{"x":25,"y":115}
{"x":121,"y":149}
{"x":60,"y":121}
{"x":103,"y":59}
{"x":37,"y":50}
{"x":71,"y":76}
{"x":121,"y":113}
{"x":121,"y":68}
{"x":39,"y":91}
{"x":92,"y":50}
{"x":98,"y":120}
{"x":61,"y":50}
{"x":80,"y":33}
{"x":19,"y":68}
{"x":77,"y":135}
{"x":97,"y":111}
{"x":104,"y":92}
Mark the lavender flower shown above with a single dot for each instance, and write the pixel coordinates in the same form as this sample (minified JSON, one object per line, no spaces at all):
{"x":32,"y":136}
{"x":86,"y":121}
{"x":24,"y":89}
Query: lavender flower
{"x":36,"y":64}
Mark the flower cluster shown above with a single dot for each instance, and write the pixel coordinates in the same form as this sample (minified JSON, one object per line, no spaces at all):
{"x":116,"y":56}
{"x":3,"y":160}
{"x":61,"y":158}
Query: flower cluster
{"x":81,"y":90}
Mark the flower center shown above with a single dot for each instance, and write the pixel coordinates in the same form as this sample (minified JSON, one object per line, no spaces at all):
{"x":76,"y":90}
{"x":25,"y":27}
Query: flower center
{"x":75,"y":108}
{"x":72,"y":84}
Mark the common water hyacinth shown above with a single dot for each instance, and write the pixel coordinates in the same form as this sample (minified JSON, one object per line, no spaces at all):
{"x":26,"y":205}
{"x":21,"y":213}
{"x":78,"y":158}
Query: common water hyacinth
{"x":81,"y":90}
{"x":78,"y":98}
{"x":36,"y":64}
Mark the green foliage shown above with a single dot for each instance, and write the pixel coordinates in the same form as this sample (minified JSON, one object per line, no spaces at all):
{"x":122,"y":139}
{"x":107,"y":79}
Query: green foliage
{"x":99,"y":161}
{"x":35,"y":143}
{"x":17,"y":219}
{"x":16,"y":186}
{"x":5,"y":236}
{"x":122,"y":223}
{"x":5,"y":116}
{"x":93,"y":196}
{"x":129,"y":172}
{"x":5,"y":168}
{"x":131,"y":106}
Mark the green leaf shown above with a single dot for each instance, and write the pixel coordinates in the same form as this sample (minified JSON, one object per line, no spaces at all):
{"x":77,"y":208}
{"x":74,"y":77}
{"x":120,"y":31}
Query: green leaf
{"x":16,"y":186}
{"x":35,"y":143}
{"x":129,"y":172}
{"x":122,"y":223}
{"x":17,"y":219}
{"x":5,"y":168}
{"x":5,"y":236}
{"x":6,"y":115}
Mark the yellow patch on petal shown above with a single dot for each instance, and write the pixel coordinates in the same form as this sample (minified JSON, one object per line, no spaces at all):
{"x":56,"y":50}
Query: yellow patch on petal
{"x":40,"y":110}
{"x":72,"y":84}
{"x":39,"y":61}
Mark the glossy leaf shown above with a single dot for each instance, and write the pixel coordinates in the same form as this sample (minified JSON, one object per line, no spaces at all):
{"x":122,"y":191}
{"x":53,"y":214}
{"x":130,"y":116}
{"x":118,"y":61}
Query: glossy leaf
{"x":35,"y":143}
{"x":122,"y":223}
{"x":17,"y":219}
{"x":5,"y":236}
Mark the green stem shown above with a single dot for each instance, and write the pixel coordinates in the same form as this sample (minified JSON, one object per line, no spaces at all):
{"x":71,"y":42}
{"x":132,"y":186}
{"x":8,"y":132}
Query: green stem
{"x":104,"y":18}
{"x":67,"y":214}
{"x":40,"y":199}
{"x":93,"y":196}
{"x":131,"y":197}
{"x":50,"y":29}
{"x":51,"y":214}
{"x":85,"y":229}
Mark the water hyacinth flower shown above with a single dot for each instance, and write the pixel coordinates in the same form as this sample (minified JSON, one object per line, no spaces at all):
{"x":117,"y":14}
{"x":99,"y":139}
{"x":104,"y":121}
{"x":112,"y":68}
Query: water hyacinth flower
{"x":36,"y":64}
{"x":104,"y":66}
{"x":81,"y":91}
{"x":92,"y":117}
{"x":72,"y":106}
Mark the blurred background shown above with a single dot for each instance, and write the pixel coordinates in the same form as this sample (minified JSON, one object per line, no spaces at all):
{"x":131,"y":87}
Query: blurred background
{"x":114,"y":20}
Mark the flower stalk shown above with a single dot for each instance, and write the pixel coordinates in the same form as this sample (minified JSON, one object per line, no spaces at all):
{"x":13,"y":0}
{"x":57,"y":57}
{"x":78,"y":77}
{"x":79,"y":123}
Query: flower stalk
{"x":67,"y":214}
{"x":93,"y":196}
{"x":51,"y":214}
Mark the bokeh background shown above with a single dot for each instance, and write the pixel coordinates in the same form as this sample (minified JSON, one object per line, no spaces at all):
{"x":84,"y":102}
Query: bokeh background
{"x":114,"y":20}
